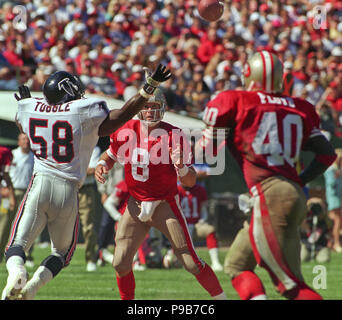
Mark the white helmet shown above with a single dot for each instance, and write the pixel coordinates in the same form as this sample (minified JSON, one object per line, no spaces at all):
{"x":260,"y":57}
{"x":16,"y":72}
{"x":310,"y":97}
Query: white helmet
{"x":154,"y":110}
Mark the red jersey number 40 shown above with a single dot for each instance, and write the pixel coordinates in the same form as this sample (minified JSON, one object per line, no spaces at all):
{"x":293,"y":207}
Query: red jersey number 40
{"x":279,"y":151}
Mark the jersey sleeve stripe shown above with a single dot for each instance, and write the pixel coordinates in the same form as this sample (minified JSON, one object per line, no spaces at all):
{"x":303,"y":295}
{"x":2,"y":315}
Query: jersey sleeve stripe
{"x":111,"y":155}
{"x":315,"y":133}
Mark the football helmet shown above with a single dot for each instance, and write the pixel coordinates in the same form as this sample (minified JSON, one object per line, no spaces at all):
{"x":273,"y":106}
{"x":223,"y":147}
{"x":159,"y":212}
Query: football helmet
{"x":154,"y":110}
{"x":263,"y":71}
{"x":61,"y":87}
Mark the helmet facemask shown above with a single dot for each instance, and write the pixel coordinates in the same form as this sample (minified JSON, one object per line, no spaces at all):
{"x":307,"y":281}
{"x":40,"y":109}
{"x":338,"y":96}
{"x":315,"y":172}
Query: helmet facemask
{"x":153,"y":111}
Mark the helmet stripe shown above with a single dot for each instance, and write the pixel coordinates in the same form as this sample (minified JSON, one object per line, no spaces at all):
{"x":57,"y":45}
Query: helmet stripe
{"x":272,"y":72}
{"x":268,"y":66}
{"x":264,"y":71}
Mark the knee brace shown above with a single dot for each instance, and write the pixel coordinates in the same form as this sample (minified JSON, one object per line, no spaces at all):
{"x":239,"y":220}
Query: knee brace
{"x":54,"y":264}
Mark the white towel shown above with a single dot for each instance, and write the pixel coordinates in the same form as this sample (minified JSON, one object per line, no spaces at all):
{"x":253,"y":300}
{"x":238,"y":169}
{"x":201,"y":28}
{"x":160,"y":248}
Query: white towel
{"x":246,"y":203}
{"x":147,"y":210}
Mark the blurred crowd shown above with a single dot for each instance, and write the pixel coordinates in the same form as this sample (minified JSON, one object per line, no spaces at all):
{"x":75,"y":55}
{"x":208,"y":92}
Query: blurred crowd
{"x":107,"y":43}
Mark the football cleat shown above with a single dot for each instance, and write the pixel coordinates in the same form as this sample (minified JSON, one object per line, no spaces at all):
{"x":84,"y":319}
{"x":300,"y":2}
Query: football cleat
{"x":91,"y":266}
{"x":15,"y":283}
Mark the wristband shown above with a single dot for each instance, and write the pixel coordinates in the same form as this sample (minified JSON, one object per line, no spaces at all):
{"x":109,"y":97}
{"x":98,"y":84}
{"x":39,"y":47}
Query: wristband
{"x":182,"y":171}
{"x":102,"y":163}
{"x":144,"y":94}
{"x":150,"y":81}
{"x":148,"y":88}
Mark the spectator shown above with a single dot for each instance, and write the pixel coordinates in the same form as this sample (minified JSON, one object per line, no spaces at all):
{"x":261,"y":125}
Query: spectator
{"x":333,"y":192}
{"x":150,"y":32}
{"x":314,"y":90}
{"x":87,"y":211}
{"x":209,"y":46}
{"x":109,"y":217}
{"x":21,"y":173}
{"x":8,"y":193}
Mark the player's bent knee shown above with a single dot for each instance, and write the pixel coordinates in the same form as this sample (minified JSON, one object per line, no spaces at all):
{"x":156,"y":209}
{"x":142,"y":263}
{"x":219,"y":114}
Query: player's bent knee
{"x":54,"y":264}
{"x":231,"y":270}
{"x":121,"y":264}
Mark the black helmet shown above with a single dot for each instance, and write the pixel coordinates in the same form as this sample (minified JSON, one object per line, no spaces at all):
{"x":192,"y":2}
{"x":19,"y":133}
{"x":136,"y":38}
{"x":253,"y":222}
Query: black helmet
{"x":62,"y":87}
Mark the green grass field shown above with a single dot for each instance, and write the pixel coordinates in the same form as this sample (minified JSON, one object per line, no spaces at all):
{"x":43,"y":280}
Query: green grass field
{"x":74,"y":283}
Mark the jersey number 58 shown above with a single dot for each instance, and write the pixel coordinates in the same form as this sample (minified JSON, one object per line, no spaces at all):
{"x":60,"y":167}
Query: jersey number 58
{"x":62,"y":147}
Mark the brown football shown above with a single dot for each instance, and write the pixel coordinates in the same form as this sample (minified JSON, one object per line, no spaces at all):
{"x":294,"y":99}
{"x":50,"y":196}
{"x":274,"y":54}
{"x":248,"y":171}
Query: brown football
{"x":210,"y":10}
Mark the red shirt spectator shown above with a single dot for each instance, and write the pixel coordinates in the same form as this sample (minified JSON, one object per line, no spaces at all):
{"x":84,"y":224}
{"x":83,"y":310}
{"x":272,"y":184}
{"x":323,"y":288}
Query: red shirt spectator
{"x":209,"y":47}
{"x":11,"y":56}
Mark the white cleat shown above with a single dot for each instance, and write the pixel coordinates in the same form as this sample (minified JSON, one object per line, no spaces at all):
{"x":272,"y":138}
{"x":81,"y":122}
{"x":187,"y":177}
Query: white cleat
{"x":14,"y":286}
{"x":107,"y":256}
{"x":217,"y":267}
{"x":91,"y":266}
{"x":138,"y":267}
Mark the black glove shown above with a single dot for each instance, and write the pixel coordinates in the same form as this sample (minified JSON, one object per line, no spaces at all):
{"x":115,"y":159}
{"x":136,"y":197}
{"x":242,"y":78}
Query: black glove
{"x":153,"y":81}
{"x":24,"y":93}
{"x":161,"y":74}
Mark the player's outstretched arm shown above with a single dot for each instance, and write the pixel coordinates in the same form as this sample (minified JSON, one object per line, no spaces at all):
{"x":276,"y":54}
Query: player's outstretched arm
{"x":186,"y":174}
{"x":324,"y":156}
{"x":117,"y":118}
{"x":104,"y":164}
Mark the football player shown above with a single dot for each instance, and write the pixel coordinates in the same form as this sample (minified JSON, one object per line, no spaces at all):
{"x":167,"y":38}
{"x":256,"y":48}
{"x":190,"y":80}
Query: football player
{"x":154,"y":200}
{"x":266,"y":132}
{"x":63,"y":128}
{"x":194,"y":204}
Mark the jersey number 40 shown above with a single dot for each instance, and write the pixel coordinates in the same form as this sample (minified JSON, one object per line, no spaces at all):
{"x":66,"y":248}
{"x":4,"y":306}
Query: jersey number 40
{"x":277,"y":150}
{"x":62,"y":148}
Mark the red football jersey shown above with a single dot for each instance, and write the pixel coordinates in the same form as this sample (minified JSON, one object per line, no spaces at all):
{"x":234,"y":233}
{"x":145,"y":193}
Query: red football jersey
{"x":5,"y":159}
{"x":267,"y":131}
{"x":121,"y":192}
{"x":191,"y":201}
{"x":149,"y":173}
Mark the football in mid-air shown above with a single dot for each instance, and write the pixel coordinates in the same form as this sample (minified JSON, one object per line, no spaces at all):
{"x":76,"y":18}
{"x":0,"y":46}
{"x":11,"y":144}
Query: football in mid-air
{"x":210,"y":10}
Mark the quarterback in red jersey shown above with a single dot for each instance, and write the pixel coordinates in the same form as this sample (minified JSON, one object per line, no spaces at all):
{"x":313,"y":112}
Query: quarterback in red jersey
{"x":266,"y":132}
{"x":194,"y":202}
{"x":155,"y":154}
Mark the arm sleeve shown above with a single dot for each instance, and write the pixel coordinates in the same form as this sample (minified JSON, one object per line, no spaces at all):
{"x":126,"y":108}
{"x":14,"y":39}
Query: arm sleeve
{"x":110,"y":205}
{"x":97,"y":113}
{"x":113,"y":147}
{"x":219,"y":116}
{"x":95,"y":157}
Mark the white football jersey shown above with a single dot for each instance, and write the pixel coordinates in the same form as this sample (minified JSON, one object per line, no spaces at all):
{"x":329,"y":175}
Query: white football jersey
{"x":63,"y":136}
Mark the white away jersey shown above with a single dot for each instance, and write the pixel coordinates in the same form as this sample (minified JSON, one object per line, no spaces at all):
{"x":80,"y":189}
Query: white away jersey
{"x":62,"y":136}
